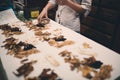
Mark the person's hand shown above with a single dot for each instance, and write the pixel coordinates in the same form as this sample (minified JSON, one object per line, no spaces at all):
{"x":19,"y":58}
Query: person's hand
{"x":43,"y":14}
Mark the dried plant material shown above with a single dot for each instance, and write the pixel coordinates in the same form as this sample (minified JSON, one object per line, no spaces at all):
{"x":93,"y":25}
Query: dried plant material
{"x":9,"y":43}
{"x":68,"y":42}
{"x":42,"y":36}
{"x":46,"y":38}
{"x":44,"y":28}
{"x":52,"y":60}
{"x":96,"y":64}
{"x":74,"y":63}
{"x":59,"y":38}
{"x":38,"y":29}
{"x":68,"y":58}
{"x":86,"y":45}
{"x":87,"y":52}
{"x":19,"y":49}
{"x":87,"y":66}
{"x":34,"y":78}
{"x":48,"y":74}
{"x":40,"y":25}
{"x":45,"y":21}
{"x":86,"y":70}
{"x":38,"y":33}
{"x":92,"y":62}
{"x":65,"y":53}
{"x":24,"y":60}
{"x":25,"y":69}
{"x":23,"y":53}
{"x":9,"y":31}
{"x":28,"y":23}
{"x":46,"y":33}
{"x":88,"y":61}
{"x":59,"y":45}
{"x":64,"y":43}
{"x":5,"y":27}
{"x":104,"y":73}
{"x":9,"y":40}
{"x":52,"y":42}
{"x":22,"y":49}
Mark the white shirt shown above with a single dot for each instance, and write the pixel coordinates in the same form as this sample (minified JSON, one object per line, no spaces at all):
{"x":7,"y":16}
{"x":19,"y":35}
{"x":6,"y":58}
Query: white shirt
{"x":70,"y":18}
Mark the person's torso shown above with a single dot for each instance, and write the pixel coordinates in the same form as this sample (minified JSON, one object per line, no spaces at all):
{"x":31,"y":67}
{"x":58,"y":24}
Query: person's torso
{"x":68,"y":17}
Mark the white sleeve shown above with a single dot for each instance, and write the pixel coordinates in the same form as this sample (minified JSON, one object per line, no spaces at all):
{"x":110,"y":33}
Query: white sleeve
{"x":52,"y":1}
{"x":86,"y":4}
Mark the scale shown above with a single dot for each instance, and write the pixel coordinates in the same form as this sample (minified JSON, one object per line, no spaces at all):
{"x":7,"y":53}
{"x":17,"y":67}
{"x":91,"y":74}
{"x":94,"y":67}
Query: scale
{"x":30,"y":8}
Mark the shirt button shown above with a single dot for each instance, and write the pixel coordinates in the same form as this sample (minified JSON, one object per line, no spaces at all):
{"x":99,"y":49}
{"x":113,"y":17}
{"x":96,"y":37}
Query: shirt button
{"x":58,"y":16}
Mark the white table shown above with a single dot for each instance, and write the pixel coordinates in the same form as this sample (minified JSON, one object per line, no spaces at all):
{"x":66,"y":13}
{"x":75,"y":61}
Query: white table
{"x":101,"y":53}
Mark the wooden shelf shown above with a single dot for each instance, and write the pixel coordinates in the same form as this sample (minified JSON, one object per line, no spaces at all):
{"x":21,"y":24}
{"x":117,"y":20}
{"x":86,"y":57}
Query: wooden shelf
{"x":102,"y":24}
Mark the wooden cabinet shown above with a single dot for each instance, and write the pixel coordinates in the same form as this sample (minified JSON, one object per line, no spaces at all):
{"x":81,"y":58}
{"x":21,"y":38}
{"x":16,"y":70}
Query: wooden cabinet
{"x":116,"y":40}
{"x":103,"y":23}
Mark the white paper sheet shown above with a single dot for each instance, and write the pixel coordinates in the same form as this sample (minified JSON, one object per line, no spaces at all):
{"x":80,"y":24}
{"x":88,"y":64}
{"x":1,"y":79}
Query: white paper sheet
{"x":10,"y":63}
{"x":7,"y":16}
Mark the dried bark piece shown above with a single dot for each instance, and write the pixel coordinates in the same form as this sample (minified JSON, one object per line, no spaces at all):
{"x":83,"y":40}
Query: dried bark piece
{"x":25,"y":69}
{"x":52,"y":60}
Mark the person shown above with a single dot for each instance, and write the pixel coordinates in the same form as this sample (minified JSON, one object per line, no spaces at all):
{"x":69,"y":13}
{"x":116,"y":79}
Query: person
{"x":68,"y":12}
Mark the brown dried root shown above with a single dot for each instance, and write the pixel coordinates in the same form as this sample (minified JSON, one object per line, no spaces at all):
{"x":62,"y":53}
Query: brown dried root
{"x":104,"y":73}
{"x":25,"y":69}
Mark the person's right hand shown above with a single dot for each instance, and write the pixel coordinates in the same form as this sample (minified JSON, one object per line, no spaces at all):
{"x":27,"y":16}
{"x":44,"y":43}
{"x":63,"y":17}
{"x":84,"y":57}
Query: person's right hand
{"x":43,"y":14}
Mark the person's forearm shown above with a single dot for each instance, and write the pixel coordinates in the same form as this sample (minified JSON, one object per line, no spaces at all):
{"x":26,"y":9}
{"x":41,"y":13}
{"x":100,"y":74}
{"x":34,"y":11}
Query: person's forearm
{"x":49,"y":6}
{"x":75,"y":6}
